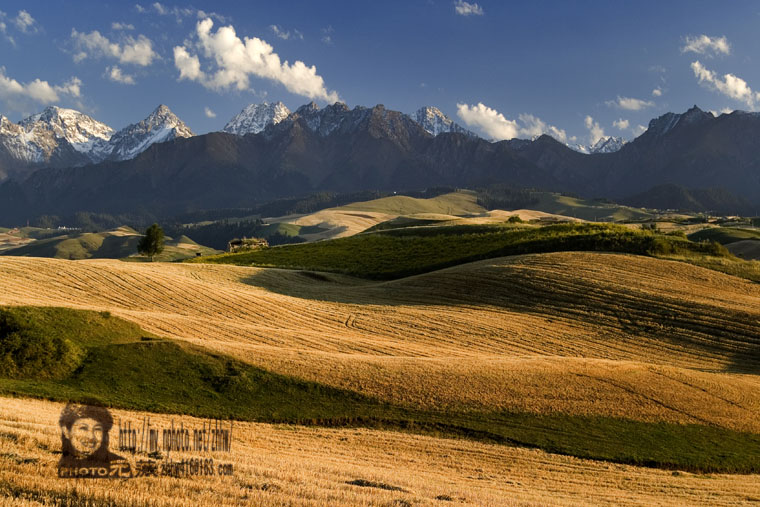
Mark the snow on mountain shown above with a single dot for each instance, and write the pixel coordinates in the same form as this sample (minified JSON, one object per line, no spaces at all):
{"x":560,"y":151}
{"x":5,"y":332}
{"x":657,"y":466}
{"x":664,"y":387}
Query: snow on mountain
{"x":605,"y":144}
{"x":35,"y":139}
{"x":608,"y":144}
{"x":162,"y":125}
{"x":65,"y":137}
{"x":327,"y":120}
{"x":256,"y":117}
{"x":435,"y":122}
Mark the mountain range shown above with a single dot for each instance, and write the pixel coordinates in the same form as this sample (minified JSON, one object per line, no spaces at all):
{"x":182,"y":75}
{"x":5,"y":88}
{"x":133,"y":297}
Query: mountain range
{"x":346,"y":150}
{"x":59,"y":137}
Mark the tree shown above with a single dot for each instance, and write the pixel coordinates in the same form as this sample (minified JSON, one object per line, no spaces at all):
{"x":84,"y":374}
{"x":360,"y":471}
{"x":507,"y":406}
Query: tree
{"x":152,"y":243}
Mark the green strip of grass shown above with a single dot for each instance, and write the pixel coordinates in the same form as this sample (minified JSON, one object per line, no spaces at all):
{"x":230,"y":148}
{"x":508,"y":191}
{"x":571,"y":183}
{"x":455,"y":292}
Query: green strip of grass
{"x":404,"y":252}
{"x":725,"y":235}
{"x":119,"y":365}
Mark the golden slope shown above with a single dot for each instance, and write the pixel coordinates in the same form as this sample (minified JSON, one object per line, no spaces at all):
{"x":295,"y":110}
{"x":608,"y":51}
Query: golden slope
{"x":290,"y":465}
{"x":582,"y":333}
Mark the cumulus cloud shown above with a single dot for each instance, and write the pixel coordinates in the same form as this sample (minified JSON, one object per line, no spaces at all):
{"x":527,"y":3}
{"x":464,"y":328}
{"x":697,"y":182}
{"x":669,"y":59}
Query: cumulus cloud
{"x":496,"y":126}
{"x":534,"y":127}
{"x":657,"y":92}
{"x":208,"y":112}
{"x":629,"y":103}
{"x":116,"y":75}
{"x":729,"y":85}
{"x":704,"y":45}
{"x":37,"y":90}
{"x":25,"y":22}
{"x":137,"y":51}
{"x":595,"y":131}
{"x":116,"y":25}
{"x":233,"y":61}
{"x":640,"y":129}
{"x":467,"y":9}
{"x":621,"y":124}
{"x":286,"y":34}
{"x":490,"y":121}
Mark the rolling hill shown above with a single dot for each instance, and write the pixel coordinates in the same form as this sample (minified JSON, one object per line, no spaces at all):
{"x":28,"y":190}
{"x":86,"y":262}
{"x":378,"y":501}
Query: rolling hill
{"x":114,"y":244}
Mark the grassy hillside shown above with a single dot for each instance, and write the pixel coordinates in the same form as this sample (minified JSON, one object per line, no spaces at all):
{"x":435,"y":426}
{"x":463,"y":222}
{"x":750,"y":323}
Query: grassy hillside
{"x":587,"y":209}
{"x":403,"y":252}
{"x":114,"y":244}
{"x":725,"y":235}
{"x":454,"y":203}
{"x":103,"y":357}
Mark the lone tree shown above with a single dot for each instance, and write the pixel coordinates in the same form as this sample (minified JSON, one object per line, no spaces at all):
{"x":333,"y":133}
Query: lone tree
{"x":152,"y":243}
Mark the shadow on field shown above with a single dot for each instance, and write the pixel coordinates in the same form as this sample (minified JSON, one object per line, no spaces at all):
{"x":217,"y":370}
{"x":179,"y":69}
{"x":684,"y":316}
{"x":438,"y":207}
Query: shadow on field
{"x":728,"y":335}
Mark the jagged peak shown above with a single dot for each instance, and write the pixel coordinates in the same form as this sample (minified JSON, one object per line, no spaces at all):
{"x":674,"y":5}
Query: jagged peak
{"x":435,"y":122}
{"x":256,"y":117}
{"x":338,"y":107}
{"x":307,"y":109}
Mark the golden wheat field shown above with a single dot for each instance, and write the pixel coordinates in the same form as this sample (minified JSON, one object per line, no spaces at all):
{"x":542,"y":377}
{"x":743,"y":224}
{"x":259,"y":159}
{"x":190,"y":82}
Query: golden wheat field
{"x":575,"y":333}
{"x":581,"y":333}
{"x":291,"y":465}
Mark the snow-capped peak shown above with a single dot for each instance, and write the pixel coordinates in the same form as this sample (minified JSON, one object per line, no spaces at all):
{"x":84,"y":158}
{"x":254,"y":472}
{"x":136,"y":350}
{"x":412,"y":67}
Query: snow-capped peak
{"x":256,"y":117}
{"x":435,"y":122}
{"x":605,"y":144}
{"x":160,"y":126}
{"x":83,"y":132}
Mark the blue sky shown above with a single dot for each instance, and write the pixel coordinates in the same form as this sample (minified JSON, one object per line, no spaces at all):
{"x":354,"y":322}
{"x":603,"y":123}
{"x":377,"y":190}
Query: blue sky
{"x":574,"y":69}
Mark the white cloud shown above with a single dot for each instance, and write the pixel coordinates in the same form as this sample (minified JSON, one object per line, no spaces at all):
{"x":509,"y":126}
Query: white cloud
{"x":160,"y":9}
{"x":657,"y":92}
{"x":234,"y":61}
{"x":286,"y":34}
{"x":630,"y":104}
{"x":595,"y":131}
{"x":138,"y":51}
{"x":467,"y":9}
{"x":116,"y":75}
{"x":180,"y":13}
{"x":621,"y":124}
{"x":4,"y":29}
{"x":534,"y":127}
{"x":640,"y":129}
{"x":725,"y":110}
{"x":490,"y":121}
{"x":25,"y":22}
{"x":327,"y":35}
{"x":37,"y":90}
{"x":705,"y":45}
{"x":729,"y":85}
{"x":208,"y":112}
{"x":496,"y":126}
{"x":116,"y":25}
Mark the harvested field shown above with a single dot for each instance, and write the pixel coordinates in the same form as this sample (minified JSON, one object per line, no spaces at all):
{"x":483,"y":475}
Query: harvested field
{"x":578,"y":333}
{"x":290,"y":465}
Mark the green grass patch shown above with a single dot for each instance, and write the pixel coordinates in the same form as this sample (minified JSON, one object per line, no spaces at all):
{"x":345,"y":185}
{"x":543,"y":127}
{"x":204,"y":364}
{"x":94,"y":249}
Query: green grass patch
{"x":397,"y":253}
{"x":454,"y":203}
{"x":116,"y":363}
{"x":725,"y":235}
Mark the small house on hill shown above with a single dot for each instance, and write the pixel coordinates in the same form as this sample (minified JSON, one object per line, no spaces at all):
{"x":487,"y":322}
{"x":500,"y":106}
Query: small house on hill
{"x":237,"y":244}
